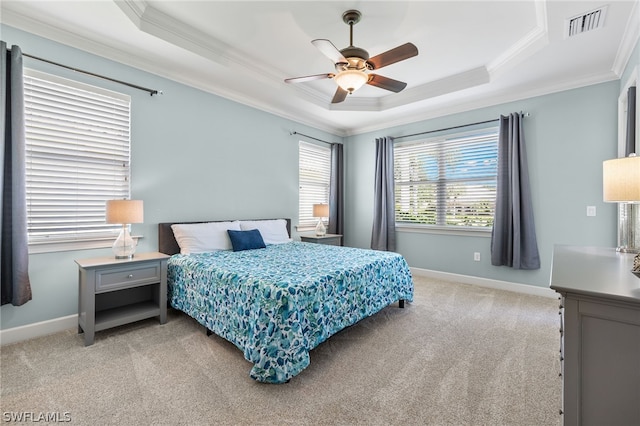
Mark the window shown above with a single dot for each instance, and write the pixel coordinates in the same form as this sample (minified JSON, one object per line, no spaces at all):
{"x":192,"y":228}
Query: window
{"x":314,"y":180}
{"x":448,"y":181}
{"x":78,"y":156}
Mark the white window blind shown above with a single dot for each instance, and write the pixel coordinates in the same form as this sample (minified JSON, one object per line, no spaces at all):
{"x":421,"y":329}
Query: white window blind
{"x":314,"y":180}
{"x":447,"y":182}
{"x":78,"y":157}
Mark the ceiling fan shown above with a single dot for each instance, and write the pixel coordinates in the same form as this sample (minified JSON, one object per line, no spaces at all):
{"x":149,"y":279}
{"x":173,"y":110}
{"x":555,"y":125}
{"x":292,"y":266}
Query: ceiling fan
{"x":353,"y":63}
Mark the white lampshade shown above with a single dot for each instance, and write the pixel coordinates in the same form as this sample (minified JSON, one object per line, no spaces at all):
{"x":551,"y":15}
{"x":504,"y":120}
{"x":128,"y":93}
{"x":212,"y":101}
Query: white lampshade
{"x":621,"y":180}
{"x":124,"y":211}
{"x":351,"y":80}
{"x":321,"y":210}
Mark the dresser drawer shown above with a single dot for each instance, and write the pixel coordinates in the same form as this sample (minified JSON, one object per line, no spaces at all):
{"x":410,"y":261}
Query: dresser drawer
{"x":129,"y":276}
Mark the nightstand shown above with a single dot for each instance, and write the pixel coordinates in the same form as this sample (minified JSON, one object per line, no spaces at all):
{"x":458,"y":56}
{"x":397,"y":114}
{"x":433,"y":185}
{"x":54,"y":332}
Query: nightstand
{"x":329,"y":239}
{"x":113,"y":292}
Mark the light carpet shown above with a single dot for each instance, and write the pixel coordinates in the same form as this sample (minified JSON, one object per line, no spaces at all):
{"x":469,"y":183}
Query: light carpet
{"x":458,"y":355}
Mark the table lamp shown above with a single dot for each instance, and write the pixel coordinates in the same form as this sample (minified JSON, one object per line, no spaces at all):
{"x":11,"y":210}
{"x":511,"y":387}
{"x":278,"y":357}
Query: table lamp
{"x":320,"y":211}
{"x":124,"y":212}
{"x":621,"y":184}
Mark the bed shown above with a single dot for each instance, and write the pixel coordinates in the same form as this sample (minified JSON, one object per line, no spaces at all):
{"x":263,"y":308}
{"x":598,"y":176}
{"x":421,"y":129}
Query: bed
{"x":278,"y":301}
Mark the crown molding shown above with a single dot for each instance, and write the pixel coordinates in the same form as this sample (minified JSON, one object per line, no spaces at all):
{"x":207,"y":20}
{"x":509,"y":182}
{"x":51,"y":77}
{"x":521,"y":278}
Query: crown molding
{"x":134,"y":9}
{"x":453,"y":83}
{"x":358,"y":104}
{"x":75,"y":41}
{"x":313,"y":96}
{"x":532,"y":42}
{"x":629,"y":40}
{"x":150,"y":20}
{"x":503,"y":97}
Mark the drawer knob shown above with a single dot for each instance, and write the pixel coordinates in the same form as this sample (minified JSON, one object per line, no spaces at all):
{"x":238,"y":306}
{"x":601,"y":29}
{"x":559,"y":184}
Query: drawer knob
{"x":130,"y":276}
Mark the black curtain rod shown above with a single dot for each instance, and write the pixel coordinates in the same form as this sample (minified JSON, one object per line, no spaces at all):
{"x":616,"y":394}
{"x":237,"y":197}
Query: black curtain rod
{"x":310,"y":137}
{"x":135,"y":86}
{"x":450,"y":128}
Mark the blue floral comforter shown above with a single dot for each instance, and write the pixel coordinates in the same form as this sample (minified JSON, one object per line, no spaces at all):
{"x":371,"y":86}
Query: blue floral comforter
{"x":278,"y":303}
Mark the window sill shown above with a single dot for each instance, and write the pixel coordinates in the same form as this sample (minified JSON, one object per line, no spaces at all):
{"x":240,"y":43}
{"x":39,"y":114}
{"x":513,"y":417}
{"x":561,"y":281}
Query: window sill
{"x":443,"y":230}
{"x":51,"y":247}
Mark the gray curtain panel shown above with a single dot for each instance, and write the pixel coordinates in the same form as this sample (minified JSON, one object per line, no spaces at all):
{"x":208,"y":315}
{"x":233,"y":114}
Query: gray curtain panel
{"x":630,"y":142}
{"x":336,"y":191}
{"x":513,"y":239}
{"x":383,"y":234}
{"x":14,"y":250}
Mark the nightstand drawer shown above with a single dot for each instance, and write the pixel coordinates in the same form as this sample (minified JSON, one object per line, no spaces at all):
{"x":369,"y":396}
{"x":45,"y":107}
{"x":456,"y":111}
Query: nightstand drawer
{"x":335,"y":241}
{"x":114,"y":278}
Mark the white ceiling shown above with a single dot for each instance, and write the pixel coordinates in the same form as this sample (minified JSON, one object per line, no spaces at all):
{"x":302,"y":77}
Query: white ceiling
{"x":472,"y":53}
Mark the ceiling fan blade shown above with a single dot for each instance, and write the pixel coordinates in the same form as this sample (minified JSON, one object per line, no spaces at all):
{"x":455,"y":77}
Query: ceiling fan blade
{"x":329,"y":50}
{"x":340,"y":96}
{"x":386,"y":83}
{"x":309,"y":78}
{"x":400,"y":53}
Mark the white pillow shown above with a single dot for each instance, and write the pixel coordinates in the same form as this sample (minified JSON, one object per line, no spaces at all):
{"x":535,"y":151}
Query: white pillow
{"x":273,"y":231}
{"x":203,"y":237}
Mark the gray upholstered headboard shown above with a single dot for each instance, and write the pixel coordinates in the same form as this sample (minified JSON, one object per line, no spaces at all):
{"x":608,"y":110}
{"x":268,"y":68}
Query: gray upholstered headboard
{"x":167,"y":243}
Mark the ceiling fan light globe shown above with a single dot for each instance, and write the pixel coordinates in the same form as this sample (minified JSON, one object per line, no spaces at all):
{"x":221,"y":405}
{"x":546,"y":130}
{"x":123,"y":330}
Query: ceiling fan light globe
{"x":351,"y":80}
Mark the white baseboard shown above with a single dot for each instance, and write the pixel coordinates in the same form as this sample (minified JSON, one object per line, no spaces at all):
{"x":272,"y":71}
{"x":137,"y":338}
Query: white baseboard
{"x":486,"y":282}
{"x":38,"y":329}
{"x":56,"y":325}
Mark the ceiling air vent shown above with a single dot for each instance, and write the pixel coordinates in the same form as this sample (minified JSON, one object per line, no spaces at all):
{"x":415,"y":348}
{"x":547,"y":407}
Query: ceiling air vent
{"x":585,"y":22}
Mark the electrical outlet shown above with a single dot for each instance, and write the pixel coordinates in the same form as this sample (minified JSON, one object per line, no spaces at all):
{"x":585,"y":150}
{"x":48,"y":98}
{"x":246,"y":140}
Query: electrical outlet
{"x":476,"y":256}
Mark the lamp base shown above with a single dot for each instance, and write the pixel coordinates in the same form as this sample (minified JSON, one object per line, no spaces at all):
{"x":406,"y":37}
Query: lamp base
{"x":125,"y":257}
{"x":631,"y":250}
{"x":321,"y":231}
{"x":124,"y":246}
{"x":628,"y":228}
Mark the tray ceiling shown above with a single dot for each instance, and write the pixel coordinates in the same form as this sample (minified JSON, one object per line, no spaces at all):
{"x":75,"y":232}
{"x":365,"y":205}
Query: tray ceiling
{"x":472,"y":54}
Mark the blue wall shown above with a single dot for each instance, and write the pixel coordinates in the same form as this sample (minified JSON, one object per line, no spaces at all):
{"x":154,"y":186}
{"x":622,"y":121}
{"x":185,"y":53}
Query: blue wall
{"x":568,"y":135}
{"x":194,"y":155}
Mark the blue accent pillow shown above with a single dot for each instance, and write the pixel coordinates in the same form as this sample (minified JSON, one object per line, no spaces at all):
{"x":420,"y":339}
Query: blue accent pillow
{"x":246,"y":240}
